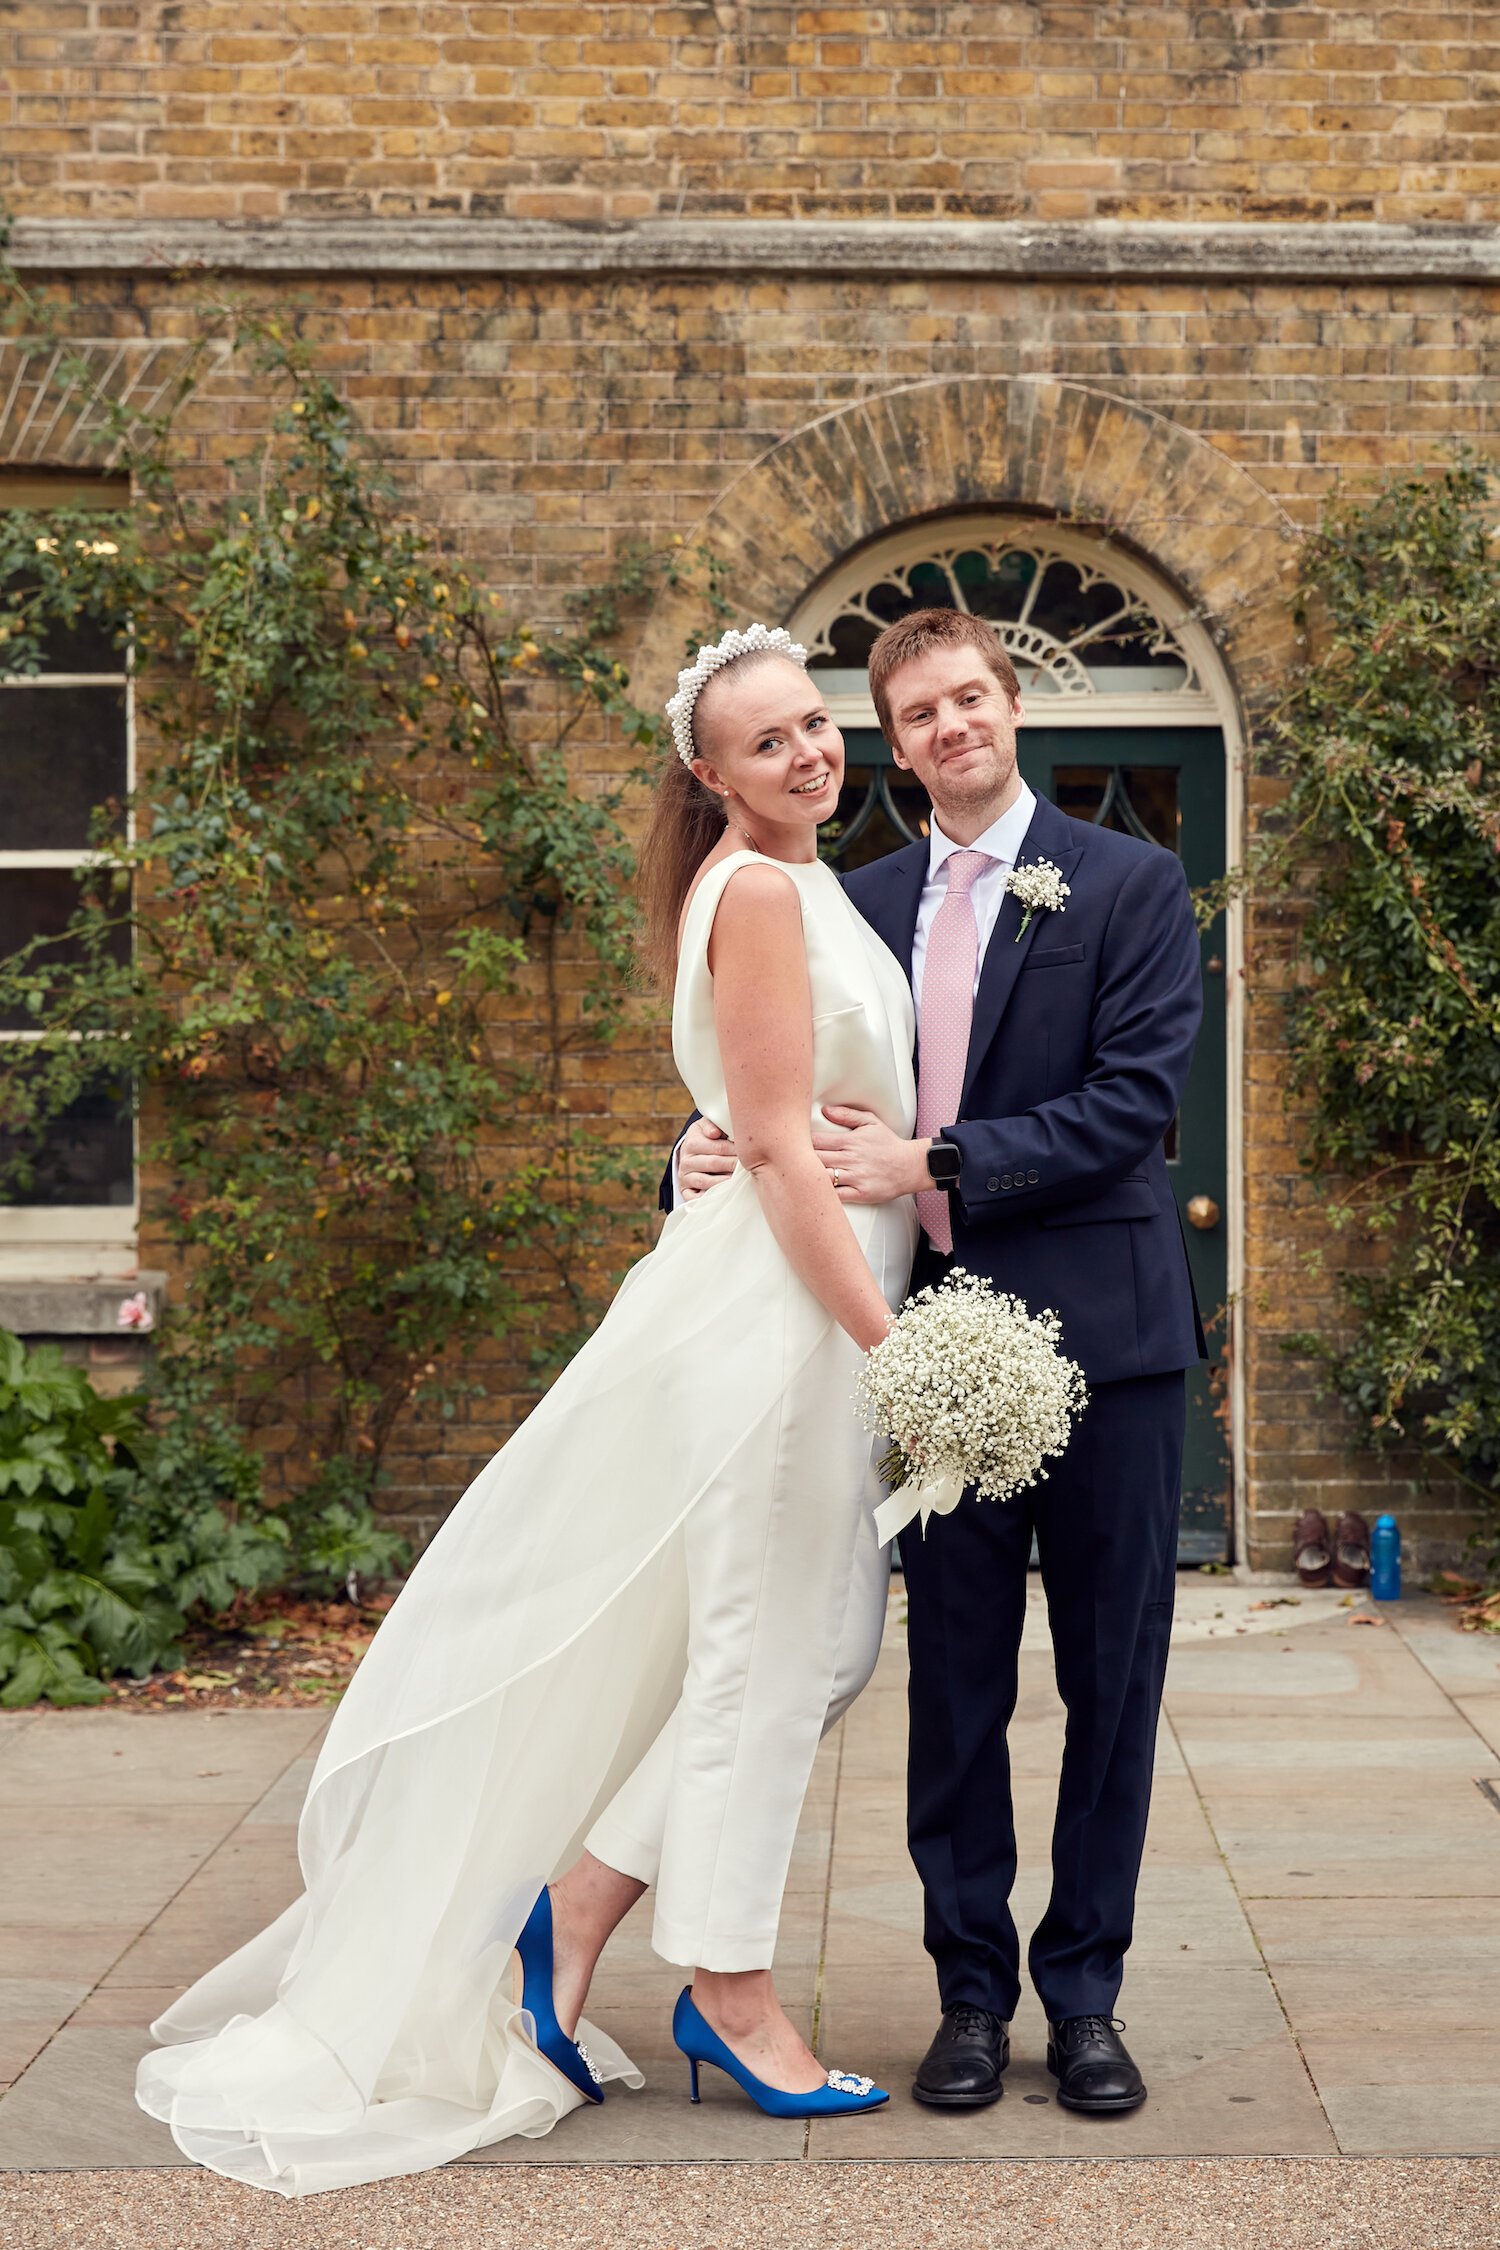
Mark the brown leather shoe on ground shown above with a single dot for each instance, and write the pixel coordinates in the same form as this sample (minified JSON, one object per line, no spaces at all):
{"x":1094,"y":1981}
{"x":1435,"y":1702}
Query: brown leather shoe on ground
{"x":1351,"y":1552}
{"x":1313,"y":1548}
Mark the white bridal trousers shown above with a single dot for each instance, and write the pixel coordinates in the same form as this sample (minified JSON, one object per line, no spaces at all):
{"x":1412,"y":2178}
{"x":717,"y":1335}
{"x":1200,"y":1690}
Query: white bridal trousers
{"x":786,"y":1602}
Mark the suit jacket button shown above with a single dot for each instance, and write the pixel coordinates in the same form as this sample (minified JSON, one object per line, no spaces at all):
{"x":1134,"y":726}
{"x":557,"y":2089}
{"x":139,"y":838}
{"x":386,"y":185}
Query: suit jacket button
{"x":1005,"y":1179}
{"x":992,"y":1185}
{"x":1031,"y":1179}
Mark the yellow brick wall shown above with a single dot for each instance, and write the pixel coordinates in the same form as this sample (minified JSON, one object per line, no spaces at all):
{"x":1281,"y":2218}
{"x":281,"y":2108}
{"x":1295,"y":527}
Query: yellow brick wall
{"x":543,"y":421}
{"x":1042,"y":109}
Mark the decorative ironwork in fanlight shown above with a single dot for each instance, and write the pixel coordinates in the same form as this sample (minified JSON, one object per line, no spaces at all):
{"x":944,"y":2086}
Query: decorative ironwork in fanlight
{"x":1077,"y":618}
{"x":1096,"y":640}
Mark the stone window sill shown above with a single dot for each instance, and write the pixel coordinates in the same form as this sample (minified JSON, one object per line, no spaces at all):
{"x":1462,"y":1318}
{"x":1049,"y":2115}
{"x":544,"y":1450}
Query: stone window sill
{"x":54,"y":1307}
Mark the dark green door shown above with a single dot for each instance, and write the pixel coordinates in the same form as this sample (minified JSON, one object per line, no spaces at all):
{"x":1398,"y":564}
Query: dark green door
{"x":1167,"y":788}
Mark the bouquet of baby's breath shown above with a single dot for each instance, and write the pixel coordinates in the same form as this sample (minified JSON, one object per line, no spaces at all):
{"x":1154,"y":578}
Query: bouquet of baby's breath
{"x":973,"y":1390}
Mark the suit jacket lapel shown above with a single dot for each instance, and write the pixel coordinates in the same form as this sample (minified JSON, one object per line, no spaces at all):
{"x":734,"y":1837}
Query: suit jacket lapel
{"x":1051,"y":836}
{"x":890,"y":907}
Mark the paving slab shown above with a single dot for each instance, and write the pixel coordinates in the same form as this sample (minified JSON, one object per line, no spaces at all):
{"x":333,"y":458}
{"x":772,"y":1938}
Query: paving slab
{"x":659,"y":2124}
{"x":242,"y":1886}
{"x":1344,"y":1750}
{"x":101,"y":1758}
{"x":1465,"y":1665}
{"x":1386,"y":2015}
{"x":31,"y":2008}
{"x":137,"y":2005}
{"x":1329,"y":1666}
{"x":1434,"y":1842}
{"x":75,"y":2108}
{"x":1459,"y":1662}
{"x":120,"y":1864}
{"x":1416,"y":2116}
{"x":1482,"y":1712}
{"x":1359,"y":1941}
{"x":1224,"y":2078}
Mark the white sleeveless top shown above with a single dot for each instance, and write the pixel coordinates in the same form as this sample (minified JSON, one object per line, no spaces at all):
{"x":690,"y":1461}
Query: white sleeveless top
{"x":864,"y":1024}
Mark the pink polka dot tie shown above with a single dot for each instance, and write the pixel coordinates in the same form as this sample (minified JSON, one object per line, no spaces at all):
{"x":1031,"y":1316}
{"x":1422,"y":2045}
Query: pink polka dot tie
{"x":947,"y":1011}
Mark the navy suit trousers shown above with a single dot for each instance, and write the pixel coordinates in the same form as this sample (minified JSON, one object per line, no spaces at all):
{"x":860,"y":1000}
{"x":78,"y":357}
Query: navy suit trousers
{"x":1105,"y":1521}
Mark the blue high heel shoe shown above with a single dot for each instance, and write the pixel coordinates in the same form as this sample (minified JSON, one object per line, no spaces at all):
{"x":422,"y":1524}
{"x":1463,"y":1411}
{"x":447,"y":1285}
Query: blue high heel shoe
{"x":845,"y":2094}
{"x":534,"y":1952}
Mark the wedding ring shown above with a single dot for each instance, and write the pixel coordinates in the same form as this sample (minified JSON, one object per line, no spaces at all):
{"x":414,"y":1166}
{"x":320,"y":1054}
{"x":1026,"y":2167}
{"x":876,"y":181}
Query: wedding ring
{"x":836,"y":1177}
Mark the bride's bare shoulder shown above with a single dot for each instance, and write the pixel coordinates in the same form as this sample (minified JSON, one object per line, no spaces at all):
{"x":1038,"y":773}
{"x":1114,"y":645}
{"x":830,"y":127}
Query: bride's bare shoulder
{"x":758,"y":883}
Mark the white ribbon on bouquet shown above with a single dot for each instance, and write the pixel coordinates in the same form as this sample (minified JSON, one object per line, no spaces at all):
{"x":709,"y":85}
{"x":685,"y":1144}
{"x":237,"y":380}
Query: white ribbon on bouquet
{"x":937,"y":1493}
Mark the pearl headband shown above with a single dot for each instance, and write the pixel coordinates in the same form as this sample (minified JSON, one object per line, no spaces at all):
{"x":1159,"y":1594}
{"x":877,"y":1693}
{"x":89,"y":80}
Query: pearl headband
{"x":694,"y":678}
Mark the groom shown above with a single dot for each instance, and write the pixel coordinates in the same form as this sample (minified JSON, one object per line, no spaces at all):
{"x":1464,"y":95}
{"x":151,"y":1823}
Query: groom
{"x":1052,"y":1052}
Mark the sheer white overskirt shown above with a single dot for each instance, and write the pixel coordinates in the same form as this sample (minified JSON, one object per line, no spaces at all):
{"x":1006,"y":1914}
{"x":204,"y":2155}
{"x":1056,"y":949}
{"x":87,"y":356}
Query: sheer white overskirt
{"x":373,"y":2028}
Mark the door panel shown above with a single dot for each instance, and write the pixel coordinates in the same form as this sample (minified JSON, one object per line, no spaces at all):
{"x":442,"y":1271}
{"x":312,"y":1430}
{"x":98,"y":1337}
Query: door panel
{"x":1168,"y":789}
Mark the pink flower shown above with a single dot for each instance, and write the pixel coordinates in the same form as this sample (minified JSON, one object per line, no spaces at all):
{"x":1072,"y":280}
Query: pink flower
{"x":134,"y":1312}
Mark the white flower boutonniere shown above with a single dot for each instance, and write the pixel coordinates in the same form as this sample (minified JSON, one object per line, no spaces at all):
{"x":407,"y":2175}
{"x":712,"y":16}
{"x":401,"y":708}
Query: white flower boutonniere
{"x":1040,"y":889}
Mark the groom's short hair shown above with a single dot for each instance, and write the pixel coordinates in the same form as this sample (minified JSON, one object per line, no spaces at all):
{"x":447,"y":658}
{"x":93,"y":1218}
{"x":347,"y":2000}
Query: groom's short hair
{"x":927,"y":629}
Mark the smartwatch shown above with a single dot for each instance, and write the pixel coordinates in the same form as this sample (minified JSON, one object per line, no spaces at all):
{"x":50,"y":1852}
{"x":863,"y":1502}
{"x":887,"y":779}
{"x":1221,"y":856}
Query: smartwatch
{"x":944,"y":1163}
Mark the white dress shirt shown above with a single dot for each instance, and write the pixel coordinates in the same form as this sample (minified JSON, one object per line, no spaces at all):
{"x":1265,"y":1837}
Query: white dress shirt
{"x":1002,"y":841}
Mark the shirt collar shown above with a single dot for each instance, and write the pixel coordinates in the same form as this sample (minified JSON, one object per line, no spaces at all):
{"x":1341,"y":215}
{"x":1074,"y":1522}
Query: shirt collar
{"x":1002,"y":840}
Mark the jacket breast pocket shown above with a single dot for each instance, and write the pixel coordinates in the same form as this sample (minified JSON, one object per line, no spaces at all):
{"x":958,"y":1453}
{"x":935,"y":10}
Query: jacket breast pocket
{"x":1051,"y":957}
{"x":1127,"y":1199}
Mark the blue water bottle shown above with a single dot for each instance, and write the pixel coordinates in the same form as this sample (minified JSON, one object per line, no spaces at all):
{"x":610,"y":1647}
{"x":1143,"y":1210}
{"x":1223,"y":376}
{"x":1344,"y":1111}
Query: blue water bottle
{"x":1385,"y":1560}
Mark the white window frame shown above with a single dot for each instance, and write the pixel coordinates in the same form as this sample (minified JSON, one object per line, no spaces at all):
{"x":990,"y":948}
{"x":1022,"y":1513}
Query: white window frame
{"x":77,"y":1240}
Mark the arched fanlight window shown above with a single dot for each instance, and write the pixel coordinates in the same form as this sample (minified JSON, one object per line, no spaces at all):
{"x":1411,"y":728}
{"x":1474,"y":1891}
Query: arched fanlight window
{"x":1097,"y":639}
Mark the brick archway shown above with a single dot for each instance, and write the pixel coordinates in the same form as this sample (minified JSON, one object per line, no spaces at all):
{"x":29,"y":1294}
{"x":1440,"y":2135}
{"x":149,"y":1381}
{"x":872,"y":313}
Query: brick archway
{"x":1052,"y":448}
{"x":1094,"y":462}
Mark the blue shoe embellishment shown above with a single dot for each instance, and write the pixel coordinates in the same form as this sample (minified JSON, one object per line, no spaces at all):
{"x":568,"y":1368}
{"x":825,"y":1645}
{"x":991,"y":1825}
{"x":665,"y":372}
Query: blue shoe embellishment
{"x":534,"y":1951}
{"x":845,"y":2094}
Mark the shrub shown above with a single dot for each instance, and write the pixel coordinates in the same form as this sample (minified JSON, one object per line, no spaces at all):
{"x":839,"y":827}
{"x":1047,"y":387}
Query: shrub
{"x":102,"y":1554}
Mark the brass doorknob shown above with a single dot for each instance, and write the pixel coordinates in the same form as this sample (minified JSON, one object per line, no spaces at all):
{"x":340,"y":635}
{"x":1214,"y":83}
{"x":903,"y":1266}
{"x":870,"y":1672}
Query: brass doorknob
{"x":1202,"y":1212}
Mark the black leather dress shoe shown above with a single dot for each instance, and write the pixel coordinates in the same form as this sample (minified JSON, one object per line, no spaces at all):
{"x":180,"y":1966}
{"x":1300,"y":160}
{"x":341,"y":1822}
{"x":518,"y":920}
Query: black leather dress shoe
{"x":1094,"y":2073}
{"x":961,"y":2069}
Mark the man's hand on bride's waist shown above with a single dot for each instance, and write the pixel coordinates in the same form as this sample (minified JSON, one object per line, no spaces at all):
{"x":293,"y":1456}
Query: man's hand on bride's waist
{"x":869,"y":1162}
{"x":705,"y":1157}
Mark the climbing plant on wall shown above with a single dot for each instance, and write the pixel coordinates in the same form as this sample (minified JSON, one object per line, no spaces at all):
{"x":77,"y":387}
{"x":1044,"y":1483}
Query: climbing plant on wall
{"x":353,"y":949}
{"x":1388,"y":843}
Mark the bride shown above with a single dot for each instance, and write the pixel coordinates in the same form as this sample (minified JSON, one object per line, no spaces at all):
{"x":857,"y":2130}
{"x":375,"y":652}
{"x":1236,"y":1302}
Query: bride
{"x":619,"y":1652}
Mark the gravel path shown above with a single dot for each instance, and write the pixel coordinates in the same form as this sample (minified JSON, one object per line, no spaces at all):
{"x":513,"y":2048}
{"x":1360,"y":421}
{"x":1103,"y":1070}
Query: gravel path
{"x":1263,"y":2203}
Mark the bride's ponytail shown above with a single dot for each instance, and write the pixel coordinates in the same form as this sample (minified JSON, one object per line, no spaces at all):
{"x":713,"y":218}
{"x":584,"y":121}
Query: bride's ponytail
{"x":686,"y":822}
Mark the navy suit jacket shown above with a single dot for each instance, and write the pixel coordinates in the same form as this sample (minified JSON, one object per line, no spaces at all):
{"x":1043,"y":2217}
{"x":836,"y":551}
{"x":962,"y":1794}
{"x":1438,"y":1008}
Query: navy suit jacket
{"x":1082,"y":1035}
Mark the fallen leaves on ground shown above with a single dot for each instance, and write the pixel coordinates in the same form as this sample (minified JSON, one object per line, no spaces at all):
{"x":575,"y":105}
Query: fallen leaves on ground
{"x":1478,"y":1605}
{"x":272,"y":1652}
